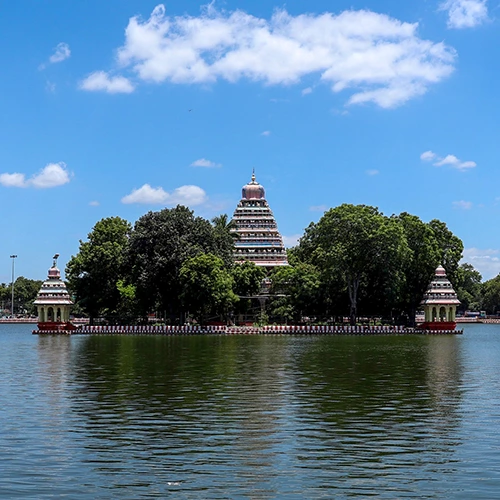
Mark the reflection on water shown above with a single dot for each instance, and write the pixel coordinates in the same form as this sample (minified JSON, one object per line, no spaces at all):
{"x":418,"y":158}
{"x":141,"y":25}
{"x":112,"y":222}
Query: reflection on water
{"x":258,"y":417}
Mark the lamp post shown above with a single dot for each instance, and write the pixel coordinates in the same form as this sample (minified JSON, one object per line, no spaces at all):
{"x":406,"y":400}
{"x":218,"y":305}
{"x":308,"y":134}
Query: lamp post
{"x":13,"y":257}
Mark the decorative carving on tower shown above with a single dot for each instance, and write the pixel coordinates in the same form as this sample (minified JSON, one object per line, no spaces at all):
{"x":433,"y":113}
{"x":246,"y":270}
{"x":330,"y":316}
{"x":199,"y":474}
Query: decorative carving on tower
{"x":259,"y":240}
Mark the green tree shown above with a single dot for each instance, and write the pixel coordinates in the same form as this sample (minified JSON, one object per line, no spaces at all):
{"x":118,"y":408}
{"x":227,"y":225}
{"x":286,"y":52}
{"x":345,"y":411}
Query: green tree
{"x":25,"y":292}
{"x":491,"y":296}
{"x":450,"y":247}
{"x":419,"y":265}
{"x":300,"y":285}
{"x":159,"y":245}
{"x":100,"y":263}
{"x":361,"y":246}
{"x":206,"y":287}
{"x":468,"y":287}
{"x":225,"y":236}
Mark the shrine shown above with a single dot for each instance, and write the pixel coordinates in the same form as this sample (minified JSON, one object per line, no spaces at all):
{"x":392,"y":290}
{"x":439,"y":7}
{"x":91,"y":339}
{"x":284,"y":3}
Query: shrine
{"x":53,"y":302}
{"x":440,"y":303}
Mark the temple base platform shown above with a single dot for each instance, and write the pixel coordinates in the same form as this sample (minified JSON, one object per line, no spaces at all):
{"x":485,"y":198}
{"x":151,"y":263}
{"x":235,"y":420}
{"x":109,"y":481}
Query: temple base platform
{"x":57,"y":326}
{"x":437,"y":325}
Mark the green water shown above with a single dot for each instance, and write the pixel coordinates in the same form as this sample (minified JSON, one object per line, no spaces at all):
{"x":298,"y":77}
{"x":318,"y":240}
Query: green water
{"x":250,"y":416}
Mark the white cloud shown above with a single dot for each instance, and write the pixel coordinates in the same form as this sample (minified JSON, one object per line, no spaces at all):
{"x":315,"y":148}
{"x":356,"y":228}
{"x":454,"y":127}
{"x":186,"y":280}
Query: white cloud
{"x":100,"y":80}
{"x":372,"y":172}
{"x":462,"y":205}
{"x":291,"y":241}
{"x":61,"y":53}
{"x":52,"y":175}
{"x":465,"y":13}
{"x":13,"y":180}
{"x":428,"y":156}
{"x":378,"y":58}
{"x":487,"y":262}
{"x":203,"y":162}
{"x":266,"y":133}
{"x":184,"y":195}
{"x":450,"y":160}
{"x":307,"y":91}
{"x":94,"y":203}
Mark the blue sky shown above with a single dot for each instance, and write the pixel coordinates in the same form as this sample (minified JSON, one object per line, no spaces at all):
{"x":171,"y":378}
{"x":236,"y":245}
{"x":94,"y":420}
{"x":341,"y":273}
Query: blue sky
{"x":125,"y":106}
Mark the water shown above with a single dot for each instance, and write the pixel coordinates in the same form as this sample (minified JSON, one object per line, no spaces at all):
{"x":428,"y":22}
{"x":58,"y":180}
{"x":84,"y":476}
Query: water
{"x":250,"y":417}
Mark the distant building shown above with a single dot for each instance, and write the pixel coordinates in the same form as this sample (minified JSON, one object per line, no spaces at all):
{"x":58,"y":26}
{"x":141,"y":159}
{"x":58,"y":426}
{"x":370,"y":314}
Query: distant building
{"x":259,"y":240}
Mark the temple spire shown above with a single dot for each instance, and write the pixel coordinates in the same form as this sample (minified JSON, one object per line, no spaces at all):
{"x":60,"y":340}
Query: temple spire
{"x":259,"y":240}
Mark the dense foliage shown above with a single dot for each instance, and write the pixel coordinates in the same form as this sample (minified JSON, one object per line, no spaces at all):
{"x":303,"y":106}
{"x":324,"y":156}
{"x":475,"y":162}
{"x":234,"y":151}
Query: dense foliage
{"x":25,"y":291}
{"x":354,"y":261}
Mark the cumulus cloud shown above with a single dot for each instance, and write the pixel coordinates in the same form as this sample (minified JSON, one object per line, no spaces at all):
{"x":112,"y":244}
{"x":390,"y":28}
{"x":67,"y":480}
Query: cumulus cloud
{"x":52,"y":175}
{"x":61,"y":53}
{"x":372,"y":172}
{"x":428,"y":156}
{"x":450,"y":160}
{"x":307,"y":91}
{"x":487,"y":262}
{"x":203,"y":162}
{"x":100,"y":80}
{"x":184,"y":195}
{"x":462,"y":205}
{"x":266,"y":133}
{"x":377,"y":58}
{"x":465,"y":13}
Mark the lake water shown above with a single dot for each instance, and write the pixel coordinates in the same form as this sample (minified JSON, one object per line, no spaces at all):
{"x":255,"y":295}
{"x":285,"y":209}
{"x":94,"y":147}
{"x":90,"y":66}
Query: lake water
{"x":250,"y":417}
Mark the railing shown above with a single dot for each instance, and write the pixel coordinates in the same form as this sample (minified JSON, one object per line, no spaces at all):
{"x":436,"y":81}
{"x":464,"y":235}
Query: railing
{"x":246,"y":330}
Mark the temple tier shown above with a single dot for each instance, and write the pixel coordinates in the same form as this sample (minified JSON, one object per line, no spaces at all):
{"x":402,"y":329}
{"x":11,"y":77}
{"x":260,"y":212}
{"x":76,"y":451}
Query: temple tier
{"x":259,"y":240}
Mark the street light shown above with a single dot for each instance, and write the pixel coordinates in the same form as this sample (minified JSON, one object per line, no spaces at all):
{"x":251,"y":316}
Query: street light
{"x":12,"y":303}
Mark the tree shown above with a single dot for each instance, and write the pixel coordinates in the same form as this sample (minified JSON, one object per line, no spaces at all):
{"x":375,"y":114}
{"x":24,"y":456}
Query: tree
{"x":25,"y":292}
{"x":300,"y":285}
{"x":419,"y":265}
{"x":160,"y":243}
{"x":247,"y":278}
{"x":468,"y":287}
{"x":99,"y":264}
{"x":450,"y":248}
{"x":206,"y":286}
{"x":359,"y":244}
{"x":225,"y":236}
{"x":491,"y":295}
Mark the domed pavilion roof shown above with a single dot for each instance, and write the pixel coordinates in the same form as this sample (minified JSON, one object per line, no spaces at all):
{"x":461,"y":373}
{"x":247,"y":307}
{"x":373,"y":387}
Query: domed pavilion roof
{"x":440,"y":291}
{"x":253,"y":190}
{"x":53,"y":291}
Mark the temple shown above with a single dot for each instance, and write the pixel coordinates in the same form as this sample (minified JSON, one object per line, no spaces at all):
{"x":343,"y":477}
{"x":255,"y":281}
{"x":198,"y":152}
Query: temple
{"x":53,"y":302}
{"x":259,"y":240}
{"x":440,"y":303}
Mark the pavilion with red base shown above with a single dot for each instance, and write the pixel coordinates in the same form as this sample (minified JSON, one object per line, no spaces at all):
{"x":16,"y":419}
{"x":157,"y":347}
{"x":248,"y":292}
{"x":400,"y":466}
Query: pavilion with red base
{"x":440,"y":304}
{"x":53,"y":302}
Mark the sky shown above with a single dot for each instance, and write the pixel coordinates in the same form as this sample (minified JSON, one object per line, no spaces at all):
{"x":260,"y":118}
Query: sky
{"x":120,"y":107}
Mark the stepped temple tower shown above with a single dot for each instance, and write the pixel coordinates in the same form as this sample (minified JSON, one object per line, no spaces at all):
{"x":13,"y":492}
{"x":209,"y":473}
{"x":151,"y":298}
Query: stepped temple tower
{"x":259,"y":240}
{"x":53,"y":302}
{"x":440,"y":303}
